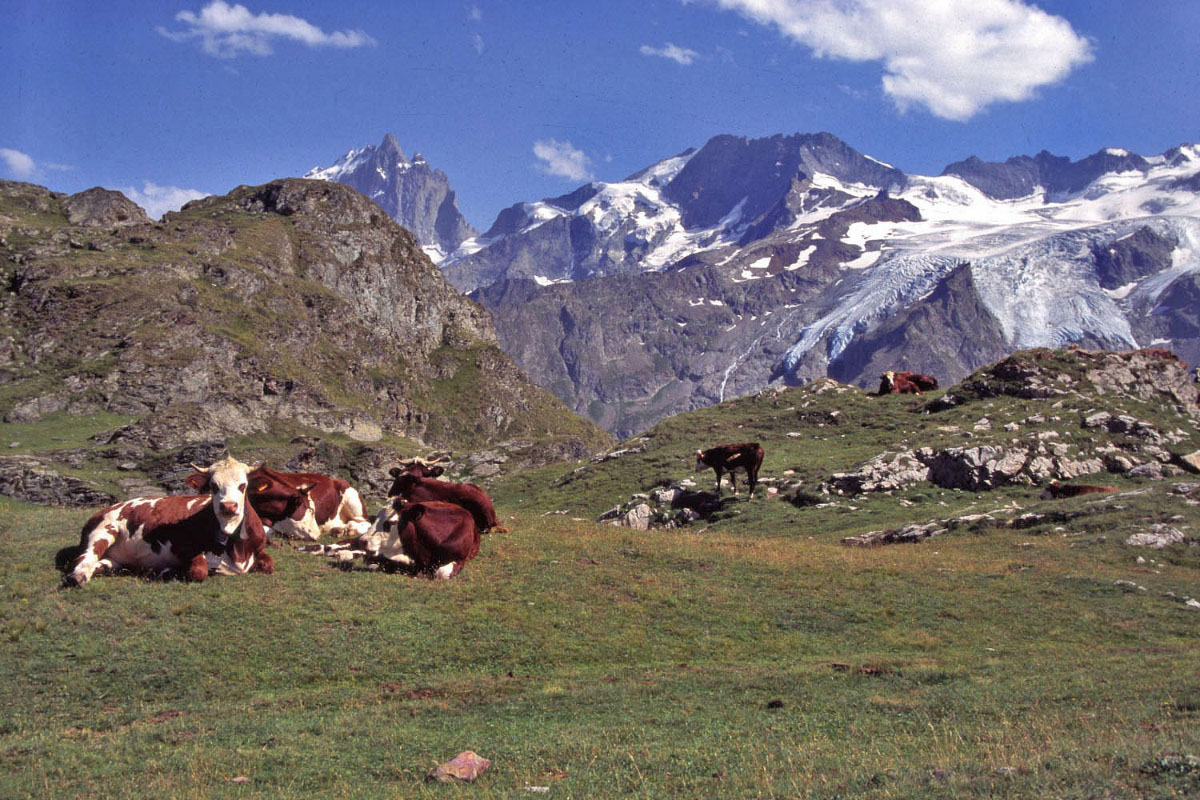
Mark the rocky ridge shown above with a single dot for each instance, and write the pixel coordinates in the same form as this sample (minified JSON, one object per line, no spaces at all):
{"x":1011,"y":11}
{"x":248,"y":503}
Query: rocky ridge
{"x":293,"y":308}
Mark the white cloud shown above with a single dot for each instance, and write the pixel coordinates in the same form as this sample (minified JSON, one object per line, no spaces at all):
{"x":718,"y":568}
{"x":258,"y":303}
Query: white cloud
{"x":158,"y":200}
{"x":680,"y":55}
{"x":477,"y":43}
{"x":475,"y":13}
{"x":17,"y":164}
{"x":562,"y":159}
{"x":226,"y":31}
{"x":953,"y":57}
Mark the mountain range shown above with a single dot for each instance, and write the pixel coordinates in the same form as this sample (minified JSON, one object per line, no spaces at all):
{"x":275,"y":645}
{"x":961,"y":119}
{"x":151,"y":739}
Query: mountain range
{"x":750,"y":262}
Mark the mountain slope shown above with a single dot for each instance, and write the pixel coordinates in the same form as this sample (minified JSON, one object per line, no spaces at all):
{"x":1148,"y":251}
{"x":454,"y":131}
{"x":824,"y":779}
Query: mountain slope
{"x":293,"y":307}
{"x":829,"y":262}
{"x":410,"y":191}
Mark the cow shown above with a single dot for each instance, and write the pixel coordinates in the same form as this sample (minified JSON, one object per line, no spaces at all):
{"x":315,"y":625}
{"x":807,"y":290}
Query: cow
{"x":1056,"y":491}
{"x":304,"y":505}
{"x":728,"y":457}
{"x":430,"y":538}
{"x":906,"y":383}
{"x":421,"y":468}
{"x":193,"y":534}
{"x":409,"y":484}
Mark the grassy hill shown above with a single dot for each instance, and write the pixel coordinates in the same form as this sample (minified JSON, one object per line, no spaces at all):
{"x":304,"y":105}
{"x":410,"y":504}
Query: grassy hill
{"x":1031,"y":654}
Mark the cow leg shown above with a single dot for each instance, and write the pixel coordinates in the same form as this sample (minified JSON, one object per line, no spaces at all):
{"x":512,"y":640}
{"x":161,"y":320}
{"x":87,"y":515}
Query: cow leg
{"x":733,"y":480}
{"x":198,"y":569}
{"x":447,"y":571}
{"x":92,"y":561}
{"x":263,"y":563}
{"x":719,"y":473}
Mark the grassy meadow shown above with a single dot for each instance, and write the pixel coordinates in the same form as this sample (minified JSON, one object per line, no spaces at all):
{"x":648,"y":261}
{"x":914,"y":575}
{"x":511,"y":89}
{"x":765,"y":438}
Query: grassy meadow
{"x":750,"y":656}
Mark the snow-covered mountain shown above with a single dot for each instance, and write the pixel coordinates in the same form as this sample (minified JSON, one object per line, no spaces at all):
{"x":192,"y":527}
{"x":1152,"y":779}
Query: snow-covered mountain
{"x":410,"y":191}
{"x":719,"y":271}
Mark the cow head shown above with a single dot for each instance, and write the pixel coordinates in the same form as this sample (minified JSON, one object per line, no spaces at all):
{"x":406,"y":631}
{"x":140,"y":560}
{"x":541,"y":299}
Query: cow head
{"x":420,"y":467}
{"x":406,"y":476}
{"x":287,"y":508}
{"x":226,"y":481}
{"x":886,"y":381}
{"x":701,"y":465}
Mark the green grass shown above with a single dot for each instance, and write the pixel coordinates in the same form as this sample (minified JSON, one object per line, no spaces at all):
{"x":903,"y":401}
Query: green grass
{"x":749,"y":655}
{"x":608,"y":663}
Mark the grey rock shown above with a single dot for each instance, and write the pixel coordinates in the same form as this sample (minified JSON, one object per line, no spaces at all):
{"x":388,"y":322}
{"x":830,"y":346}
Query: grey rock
{"x":1158,"y":537}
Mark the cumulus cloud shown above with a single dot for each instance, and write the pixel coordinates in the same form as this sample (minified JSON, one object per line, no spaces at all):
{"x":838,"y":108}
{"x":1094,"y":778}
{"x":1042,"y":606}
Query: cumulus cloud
{"x":562,"y":159}
{"x":17,"y":164}
{"x":158,"y":200}
{"x":226,"y":31}
{"x":680,"y":55}
{"x":954,"y":58}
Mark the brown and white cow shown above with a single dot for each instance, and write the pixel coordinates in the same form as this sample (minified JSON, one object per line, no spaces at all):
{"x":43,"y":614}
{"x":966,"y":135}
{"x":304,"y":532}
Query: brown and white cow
{"x":409,"y":483}
{"x":193,"y":534}
{"x":906,"y":383}
{"x":432,"y":538}
{"x":724,"y":458}
{"x":304,"y":505}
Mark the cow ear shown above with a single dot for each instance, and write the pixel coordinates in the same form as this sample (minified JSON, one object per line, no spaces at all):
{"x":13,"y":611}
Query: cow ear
{"x":437,"y":472}
{"x":198,"y":481}
{"x":395,"y":472}
{"x":416,"y":513}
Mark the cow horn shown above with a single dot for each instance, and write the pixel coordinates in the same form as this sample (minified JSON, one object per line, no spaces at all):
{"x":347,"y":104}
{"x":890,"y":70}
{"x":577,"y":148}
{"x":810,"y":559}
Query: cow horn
{"x":199,"y":468}
{"x":431,"y":463}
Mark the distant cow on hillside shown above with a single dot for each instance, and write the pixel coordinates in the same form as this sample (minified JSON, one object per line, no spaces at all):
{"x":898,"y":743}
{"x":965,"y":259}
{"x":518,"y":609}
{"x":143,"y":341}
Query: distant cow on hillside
{"x":724,"y":458}
{"x":1056,"y":491}
{"x":906,"y":383}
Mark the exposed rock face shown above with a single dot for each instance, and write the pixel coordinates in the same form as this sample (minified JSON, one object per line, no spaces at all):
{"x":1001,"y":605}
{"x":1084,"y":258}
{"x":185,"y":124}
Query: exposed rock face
{"x":97,"y":207}
{"x":35,"y":481}
{"x":411,"y":192}
{"x":295,"y":305}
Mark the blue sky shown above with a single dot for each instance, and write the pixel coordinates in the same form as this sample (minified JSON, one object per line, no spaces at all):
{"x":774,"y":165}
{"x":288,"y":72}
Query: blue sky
{"x":523,"y":99}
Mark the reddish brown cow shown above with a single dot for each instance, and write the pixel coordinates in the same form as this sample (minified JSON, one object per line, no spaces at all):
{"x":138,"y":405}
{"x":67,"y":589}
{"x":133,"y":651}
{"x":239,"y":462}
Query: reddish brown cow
{"x":435,"y":539}
{"x":217,"y":532}
{"x":905,"y":383}
{"x":728,"y":457}
{"x":1056,"y":491}
{"x":410,"y":486}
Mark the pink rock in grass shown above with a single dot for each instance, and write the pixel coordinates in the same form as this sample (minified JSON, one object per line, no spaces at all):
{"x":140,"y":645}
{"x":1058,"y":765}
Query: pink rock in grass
{"x":466,"y":766}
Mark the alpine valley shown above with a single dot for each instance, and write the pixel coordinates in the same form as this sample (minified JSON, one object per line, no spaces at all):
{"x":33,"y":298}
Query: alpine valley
{"x":753,"y":262}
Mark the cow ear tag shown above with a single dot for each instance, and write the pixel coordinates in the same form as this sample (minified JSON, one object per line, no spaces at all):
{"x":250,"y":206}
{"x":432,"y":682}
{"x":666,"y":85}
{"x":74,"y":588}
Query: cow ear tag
{"x":262,"y":488}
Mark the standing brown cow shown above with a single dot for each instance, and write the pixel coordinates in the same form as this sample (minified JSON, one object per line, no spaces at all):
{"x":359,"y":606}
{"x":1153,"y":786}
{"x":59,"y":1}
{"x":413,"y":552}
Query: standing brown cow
{"x":728,"y":457}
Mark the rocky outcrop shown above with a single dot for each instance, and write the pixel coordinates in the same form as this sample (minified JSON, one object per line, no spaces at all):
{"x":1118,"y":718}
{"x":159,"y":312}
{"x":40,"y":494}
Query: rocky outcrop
{"x":97,"y":207}
{"x":294,"y":306}
{"x":34,"y":480}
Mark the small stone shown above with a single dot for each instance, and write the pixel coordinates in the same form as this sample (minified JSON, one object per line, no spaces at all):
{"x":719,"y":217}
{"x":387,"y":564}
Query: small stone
{"x":466,"y":766}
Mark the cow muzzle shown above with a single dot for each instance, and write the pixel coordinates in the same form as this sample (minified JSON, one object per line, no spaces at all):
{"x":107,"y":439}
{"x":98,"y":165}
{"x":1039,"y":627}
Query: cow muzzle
{"x":230,"y":509}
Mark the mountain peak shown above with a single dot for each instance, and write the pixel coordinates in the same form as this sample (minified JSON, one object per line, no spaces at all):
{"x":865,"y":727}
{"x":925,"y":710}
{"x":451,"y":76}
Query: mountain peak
{"x":419,"y":199}
{"x":391,"y":146}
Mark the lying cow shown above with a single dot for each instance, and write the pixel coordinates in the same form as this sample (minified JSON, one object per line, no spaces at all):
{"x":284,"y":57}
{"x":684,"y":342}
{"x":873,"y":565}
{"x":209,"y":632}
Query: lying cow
{"x":192,"y":534}
{"x":409,"y":484}
{"x":303,"y":505}
{"x":433,"y":538}
{"x":906,"y":383}
{"x":1056,"y":491}
{"x":728,"y":457}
